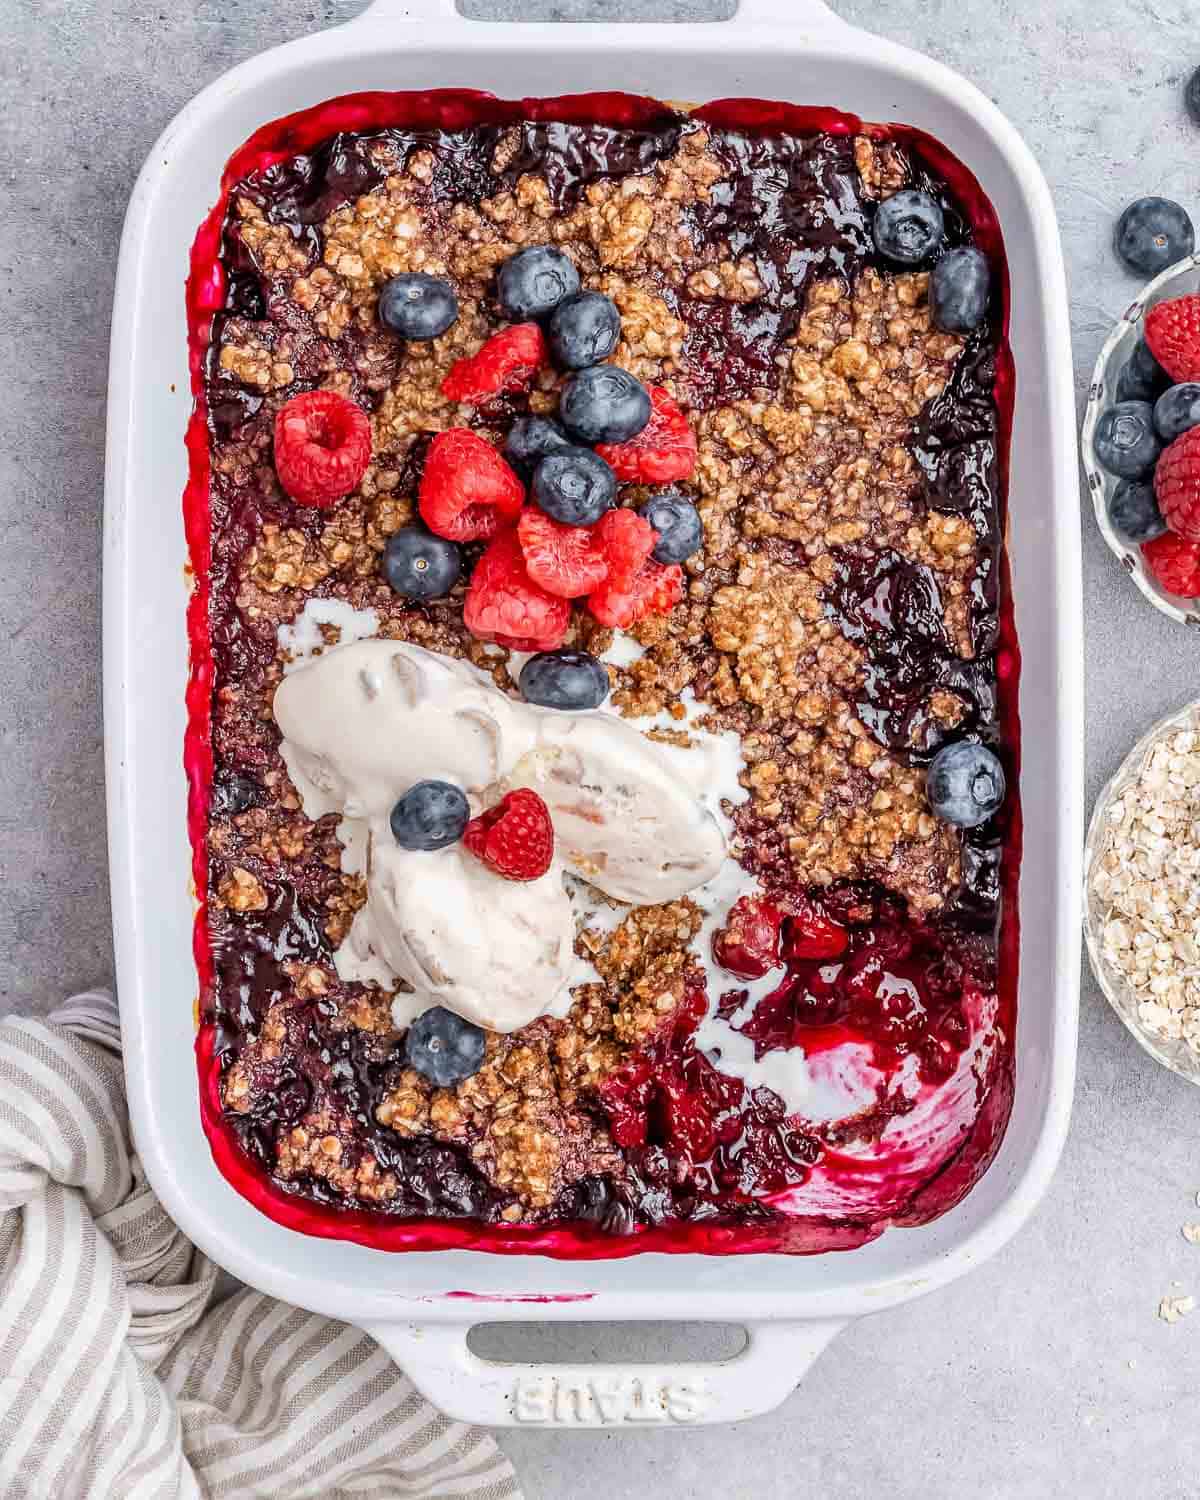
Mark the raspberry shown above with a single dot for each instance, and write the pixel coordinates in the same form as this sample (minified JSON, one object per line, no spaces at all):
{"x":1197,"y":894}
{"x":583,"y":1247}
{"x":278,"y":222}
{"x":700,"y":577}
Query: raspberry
{"x":322,"y":447}
{"x":515,"y":838}
{"x":654,"y":591}
{"x":503,"y":603}
{"x":1173,"y":334}
{"x":1177,"y":485}
{"x":687,"y":1121}
{"x":1175,"y":562}
{"x":563,"y":560}
{"x":626,"y":540}
{"x":467,"y":490}
{"x":810,"y":933}
{"x":626,"y":1095}
{"x":664,"y":450}
{"x":507,"y":362}
{"x":748,"y":944}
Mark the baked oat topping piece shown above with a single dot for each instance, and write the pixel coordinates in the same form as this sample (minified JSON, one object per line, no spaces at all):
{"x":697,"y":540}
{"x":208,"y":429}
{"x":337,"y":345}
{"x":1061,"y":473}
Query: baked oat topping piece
{"x":325,"y":1146}
{"x":585,"y":1050}
{"x":275,"y":249}
{"x":241,"y":891}
{"x":882,"y":166}
{"x":644,"y":935}
{"x":517,"y":1124}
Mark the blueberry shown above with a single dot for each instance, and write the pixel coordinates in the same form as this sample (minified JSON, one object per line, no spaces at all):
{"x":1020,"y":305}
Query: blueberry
{"x":1152,"y":234}
{"x":1126,"y":442}
{"x":908,"y":227}
{"x":430,"y":815}
{"x":677,"y":522}
{"x":1142,"y":378}
{"x":965,"y":784}
{"x":575,"y":486}
{"x":444,"y":1048}
{"x":1133,"y":511}
{"x":959,"y":287}
{"x":1176,"y":410}
{"x":604,"y":404}
{"x":564,"y":679}
{"x":1191,"y":96}
{"x":420,"y":565}
{"x":233,"y":793}
{"x":417,"y":306}
{"x":530,"y":439}
{"x":534,"y":281}
{"x":247,"y":297}
{"x":584,"y":330}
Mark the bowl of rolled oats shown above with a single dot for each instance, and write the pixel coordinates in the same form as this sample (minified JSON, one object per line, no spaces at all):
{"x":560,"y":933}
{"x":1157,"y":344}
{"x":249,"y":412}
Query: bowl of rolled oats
{"x":1142,"y":918}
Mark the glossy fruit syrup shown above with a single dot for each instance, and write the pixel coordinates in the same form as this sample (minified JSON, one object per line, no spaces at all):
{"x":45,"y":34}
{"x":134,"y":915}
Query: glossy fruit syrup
{"x":713,"y":1165}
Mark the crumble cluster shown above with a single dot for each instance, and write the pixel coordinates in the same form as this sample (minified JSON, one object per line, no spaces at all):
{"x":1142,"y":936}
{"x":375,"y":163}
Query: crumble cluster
{"x":787,"y":476}
{"x":524,"y":1117}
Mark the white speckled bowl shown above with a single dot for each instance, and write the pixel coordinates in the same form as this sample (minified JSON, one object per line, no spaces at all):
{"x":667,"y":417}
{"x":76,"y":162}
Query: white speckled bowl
{"x":1176,"y":1055}
{"x":1176,"y":281}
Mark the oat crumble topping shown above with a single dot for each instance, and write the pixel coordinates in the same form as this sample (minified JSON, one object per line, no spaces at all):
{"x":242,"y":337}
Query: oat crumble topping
{"x":799,"y":474}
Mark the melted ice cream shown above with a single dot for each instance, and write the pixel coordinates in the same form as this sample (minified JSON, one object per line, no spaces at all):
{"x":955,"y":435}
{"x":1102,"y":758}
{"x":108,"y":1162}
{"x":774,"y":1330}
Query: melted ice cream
{"x":363,"y":722}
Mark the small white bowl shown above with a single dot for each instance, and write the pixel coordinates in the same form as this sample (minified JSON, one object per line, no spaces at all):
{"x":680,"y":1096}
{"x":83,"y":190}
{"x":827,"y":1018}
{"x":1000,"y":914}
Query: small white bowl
{"x":1174,"y":1054}
{"x":1176,"y":281}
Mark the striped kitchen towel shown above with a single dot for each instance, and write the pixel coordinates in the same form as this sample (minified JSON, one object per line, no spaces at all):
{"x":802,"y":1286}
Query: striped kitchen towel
{"x":122,"y":1377}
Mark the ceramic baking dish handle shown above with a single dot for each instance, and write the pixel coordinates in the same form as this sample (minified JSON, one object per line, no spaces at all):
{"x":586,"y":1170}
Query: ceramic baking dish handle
{"x":458,"y":1382}
{"x":812,"y":15}
{"x":412,"y":10}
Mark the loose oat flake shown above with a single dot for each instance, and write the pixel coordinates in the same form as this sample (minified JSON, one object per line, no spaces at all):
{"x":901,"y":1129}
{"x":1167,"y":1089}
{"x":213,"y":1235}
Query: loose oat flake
{"x":1147,"y":881}
{"x":1171,"y":1309}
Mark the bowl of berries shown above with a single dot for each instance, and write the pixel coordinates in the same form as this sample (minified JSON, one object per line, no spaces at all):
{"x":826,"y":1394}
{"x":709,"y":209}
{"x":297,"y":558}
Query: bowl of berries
{"x":1141,"y":430}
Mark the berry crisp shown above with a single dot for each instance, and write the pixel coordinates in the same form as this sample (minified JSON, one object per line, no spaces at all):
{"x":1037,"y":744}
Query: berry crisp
{"x":777,"y":529}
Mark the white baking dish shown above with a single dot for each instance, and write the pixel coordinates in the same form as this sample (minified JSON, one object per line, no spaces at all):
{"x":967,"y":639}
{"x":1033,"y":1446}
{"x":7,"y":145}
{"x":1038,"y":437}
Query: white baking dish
{"x":420,"y":1306}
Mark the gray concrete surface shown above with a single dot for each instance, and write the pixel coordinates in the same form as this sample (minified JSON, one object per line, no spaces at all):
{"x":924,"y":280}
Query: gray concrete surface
{"x":1046,"y":1372}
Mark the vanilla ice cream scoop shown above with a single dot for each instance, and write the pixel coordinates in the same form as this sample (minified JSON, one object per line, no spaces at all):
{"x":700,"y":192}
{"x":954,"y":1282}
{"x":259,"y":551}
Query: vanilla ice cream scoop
{"x":363,"y":722}
{"x":623,"y":818}
{"x":496,"y":951}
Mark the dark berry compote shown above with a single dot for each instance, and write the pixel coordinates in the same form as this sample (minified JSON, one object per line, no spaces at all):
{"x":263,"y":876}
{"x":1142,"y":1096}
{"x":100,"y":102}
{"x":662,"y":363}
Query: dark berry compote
{"x":716,"y":404}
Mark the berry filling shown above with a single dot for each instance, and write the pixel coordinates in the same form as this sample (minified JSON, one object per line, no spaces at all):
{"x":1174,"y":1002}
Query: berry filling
{"x":886,"y":982}
{"x":696,"y":1137}
{"x":749,"y":943}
